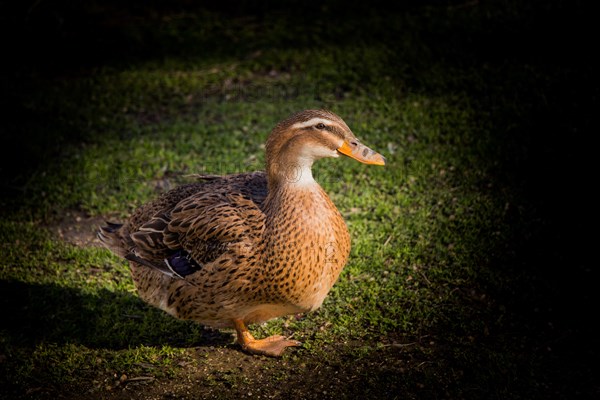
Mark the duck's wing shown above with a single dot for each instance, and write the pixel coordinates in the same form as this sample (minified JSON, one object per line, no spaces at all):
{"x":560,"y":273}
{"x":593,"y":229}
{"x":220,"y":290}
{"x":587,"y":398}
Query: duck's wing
{"x":197,"y":231}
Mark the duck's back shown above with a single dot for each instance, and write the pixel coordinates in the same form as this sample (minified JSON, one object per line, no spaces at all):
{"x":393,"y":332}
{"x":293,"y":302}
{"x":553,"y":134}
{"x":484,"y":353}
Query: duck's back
{"x":251,"y":185}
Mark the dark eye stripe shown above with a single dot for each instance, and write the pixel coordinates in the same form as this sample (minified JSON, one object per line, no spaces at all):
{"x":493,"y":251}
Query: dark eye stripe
{"x":335,"y":129}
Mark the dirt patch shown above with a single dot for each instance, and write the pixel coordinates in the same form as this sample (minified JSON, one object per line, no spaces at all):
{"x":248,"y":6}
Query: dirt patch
{"x":78,"y":228}
{"x":228,"y":373}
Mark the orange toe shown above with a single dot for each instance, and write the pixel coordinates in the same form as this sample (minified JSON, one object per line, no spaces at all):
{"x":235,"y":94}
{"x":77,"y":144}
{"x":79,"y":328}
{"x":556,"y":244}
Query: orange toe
{"x":273,"y":346}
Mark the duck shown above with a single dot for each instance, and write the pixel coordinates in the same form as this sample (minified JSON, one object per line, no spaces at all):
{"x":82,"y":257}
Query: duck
{"x":240,"y":249}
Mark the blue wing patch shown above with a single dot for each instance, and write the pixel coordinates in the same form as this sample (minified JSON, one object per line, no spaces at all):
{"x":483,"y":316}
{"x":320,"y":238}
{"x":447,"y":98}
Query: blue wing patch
{"x":182,"y":264}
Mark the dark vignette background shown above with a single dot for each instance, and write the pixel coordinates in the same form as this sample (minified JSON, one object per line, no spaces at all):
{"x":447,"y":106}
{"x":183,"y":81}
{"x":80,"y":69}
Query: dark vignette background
{"x":544,"y":132}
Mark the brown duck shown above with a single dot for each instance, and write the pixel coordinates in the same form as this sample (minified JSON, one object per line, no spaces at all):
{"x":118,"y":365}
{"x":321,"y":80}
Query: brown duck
{"x":245,"y":248}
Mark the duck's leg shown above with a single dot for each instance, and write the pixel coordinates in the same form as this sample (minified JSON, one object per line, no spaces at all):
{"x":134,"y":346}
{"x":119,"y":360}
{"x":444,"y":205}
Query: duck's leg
{"x":273,"y":346}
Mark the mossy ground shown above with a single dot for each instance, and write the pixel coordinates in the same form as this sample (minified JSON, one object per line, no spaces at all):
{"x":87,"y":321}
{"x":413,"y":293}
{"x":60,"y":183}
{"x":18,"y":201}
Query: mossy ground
{"x":469,"y":275}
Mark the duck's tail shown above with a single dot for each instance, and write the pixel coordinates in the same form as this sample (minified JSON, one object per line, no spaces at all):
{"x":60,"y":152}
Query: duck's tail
{"x":112,"y":238}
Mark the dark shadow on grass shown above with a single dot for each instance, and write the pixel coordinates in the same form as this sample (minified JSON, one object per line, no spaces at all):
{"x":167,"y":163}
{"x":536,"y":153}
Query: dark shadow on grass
{"x":116,"y":320}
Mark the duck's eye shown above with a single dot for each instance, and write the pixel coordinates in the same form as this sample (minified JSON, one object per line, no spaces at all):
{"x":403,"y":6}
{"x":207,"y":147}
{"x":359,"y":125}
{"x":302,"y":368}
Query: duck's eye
{"x":320,"y":126}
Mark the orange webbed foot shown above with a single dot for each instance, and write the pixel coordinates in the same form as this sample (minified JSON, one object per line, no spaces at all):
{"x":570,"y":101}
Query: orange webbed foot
{"x":273,"y":346}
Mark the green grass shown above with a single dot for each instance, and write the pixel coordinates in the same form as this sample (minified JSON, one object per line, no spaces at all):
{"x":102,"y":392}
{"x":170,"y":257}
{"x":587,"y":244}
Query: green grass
{"x":449,"y":244}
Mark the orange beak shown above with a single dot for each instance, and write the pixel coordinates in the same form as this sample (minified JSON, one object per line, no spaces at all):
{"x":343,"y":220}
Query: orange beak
{"x":361,"y":153}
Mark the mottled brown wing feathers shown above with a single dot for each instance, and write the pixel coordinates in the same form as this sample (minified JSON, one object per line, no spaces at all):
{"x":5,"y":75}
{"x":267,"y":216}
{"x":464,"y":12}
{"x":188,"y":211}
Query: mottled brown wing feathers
{"x":205,"y":225}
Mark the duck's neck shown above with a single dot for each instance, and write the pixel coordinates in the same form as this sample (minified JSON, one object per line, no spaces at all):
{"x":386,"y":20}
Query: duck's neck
{"x":294,"y":195}
{"x":293,"y":192}
{"x":292,"y":175}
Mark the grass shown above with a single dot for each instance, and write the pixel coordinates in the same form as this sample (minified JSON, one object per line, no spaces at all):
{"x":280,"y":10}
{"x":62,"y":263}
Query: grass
{"x":455,"y":286}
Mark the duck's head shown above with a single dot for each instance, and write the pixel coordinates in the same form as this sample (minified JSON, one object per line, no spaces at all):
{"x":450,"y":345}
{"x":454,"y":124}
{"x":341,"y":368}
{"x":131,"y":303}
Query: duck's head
{"x":296,"y":142}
